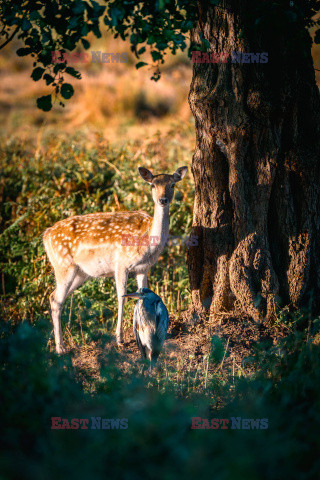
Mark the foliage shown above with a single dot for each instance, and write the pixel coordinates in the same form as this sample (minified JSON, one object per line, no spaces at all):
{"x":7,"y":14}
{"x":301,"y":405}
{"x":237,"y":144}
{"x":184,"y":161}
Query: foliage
{"x":160,"y":26}
{"x":49,"y":27}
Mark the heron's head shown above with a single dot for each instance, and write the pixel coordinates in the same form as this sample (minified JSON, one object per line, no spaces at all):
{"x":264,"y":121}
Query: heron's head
{"x":143,"y":293}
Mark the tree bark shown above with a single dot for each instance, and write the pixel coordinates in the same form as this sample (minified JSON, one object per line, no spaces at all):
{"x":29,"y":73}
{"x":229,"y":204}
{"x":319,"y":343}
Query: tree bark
{"x":256,"y":168}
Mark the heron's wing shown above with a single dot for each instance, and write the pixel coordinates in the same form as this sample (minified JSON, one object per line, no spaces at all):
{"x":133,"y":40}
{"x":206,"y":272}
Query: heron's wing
{"x":162,"y":320}
{"x":136,"y":334}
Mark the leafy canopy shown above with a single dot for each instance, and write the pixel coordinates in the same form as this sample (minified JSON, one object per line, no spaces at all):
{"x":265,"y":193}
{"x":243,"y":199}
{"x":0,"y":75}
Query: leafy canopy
{"x":159,"y":26}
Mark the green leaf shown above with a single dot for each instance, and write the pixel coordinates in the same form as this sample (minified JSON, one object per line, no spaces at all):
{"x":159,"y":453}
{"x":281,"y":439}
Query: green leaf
{"x":44,"y":103}
{"x":48,"y":78}
{"x":156,"y":55}
{"x":206,"y":43}
{"x":141,"y":50}
{"x":84,"y":31}
{"x":116,"y":15}
{"x":22,"y":52}
{"x":98,"y":9}
{"x":26,"y":25}
{"x":37,"y":73}
{"x":34,"y":15}
{"x":73,"y":72}
{"x":58,"y":66}
{"x":78,"y":8}
{"x":67,"y":90}
{"x":73,"y":23}
{"x":140,"y":64}
{"x":85,"y":43}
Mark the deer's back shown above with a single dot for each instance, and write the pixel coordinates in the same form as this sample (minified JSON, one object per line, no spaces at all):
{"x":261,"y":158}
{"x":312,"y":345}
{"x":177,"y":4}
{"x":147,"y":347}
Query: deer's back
{"x":95,"y":237}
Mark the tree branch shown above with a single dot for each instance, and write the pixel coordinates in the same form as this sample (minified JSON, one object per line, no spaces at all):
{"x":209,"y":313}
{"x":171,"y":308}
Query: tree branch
{"x":10,"y":38}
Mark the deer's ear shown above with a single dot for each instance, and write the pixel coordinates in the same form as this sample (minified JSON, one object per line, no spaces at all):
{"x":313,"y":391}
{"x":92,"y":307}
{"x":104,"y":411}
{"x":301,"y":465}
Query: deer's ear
{"x":146,"y":174}
{"x":180,"y":173}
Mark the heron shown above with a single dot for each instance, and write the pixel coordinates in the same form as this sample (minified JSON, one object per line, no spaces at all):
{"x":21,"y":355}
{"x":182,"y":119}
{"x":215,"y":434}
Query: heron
{"x":150,"y":323}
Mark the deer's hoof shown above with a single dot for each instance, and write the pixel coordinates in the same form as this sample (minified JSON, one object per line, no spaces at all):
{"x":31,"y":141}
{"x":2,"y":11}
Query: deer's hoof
{"x":61,"y":349}
{"x":120,"y":342}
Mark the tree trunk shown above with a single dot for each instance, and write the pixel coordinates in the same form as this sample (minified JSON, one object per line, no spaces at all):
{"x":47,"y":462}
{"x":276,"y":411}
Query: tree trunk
{"x":256,"y":167}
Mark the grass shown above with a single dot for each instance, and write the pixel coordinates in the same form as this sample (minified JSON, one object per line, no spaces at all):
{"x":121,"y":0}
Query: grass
{"x":60,"y":179}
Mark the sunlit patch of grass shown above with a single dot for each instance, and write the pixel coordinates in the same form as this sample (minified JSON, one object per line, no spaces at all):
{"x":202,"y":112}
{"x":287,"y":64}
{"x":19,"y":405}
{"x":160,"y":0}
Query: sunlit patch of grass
{"x":53,"y":177}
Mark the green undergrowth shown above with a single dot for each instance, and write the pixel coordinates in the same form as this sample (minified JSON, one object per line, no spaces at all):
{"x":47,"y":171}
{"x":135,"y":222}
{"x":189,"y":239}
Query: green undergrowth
{"x":159,"y":441}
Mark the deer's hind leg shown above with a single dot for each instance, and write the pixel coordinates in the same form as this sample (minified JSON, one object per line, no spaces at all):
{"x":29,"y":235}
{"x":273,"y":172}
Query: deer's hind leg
{"x":121,"y":277}
{"x":67,"y":281}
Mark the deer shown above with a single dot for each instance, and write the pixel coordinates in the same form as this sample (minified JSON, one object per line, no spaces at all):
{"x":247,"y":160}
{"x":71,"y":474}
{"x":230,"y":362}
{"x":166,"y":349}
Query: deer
{"x":88,"y":246}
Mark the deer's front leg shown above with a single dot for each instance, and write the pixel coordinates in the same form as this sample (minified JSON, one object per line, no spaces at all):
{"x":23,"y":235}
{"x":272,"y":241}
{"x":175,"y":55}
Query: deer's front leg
{"x":121,"y":277}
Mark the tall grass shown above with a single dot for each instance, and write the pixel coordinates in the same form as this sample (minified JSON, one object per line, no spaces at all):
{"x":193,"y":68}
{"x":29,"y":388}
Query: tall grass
{"x":56,"y":178}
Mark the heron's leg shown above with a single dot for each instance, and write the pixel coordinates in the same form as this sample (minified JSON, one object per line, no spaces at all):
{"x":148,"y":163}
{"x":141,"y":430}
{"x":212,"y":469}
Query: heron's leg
{"x":142,"y":280}
{"x":121,"y":277}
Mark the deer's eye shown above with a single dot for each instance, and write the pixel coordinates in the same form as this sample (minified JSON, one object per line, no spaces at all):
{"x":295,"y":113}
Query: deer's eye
{"x":152,"y":186}
{"x":172,"y":185}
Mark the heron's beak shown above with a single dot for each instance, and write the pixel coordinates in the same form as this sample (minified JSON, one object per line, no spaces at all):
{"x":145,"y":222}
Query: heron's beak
{"x":133,"y":295}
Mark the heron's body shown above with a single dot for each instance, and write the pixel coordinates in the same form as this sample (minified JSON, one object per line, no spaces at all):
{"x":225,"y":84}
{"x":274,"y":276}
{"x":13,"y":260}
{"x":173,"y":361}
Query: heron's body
{"x":150,"y":323}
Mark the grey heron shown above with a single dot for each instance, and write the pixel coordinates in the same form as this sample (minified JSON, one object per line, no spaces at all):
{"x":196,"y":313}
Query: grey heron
{"x":150,"y":323}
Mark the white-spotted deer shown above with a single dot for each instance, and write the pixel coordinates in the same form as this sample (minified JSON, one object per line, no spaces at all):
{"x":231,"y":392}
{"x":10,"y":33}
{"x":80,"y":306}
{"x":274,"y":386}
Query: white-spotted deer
{"x":91,"y":246}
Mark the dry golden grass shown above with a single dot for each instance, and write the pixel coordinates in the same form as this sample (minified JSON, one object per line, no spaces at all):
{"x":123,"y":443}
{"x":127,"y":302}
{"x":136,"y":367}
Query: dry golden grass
{"x":115,"y":98}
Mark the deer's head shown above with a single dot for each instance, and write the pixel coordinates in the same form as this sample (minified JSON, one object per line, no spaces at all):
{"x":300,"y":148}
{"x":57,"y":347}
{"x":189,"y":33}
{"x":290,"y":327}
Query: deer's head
{"x":162,"y":185}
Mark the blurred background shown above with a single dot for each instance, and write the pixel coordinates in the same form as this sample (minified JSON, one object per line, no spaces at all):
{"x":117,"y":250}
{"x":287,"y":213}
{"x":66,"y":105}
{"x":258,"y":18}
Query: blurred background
{"x":116,"y":98}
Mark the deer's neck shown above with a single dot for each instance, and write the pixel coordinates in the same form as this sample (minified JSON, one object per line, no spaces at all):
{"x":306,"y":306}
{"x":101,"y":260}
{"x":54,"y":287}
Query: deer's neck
{"x":160,"y":226}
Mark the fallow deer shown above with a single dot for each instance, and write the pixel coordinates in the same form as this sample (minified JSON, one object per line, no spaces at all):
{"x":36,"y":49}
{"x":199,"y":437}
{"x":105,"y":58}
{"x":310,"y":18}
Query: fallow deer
{"x":91,"y":246}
